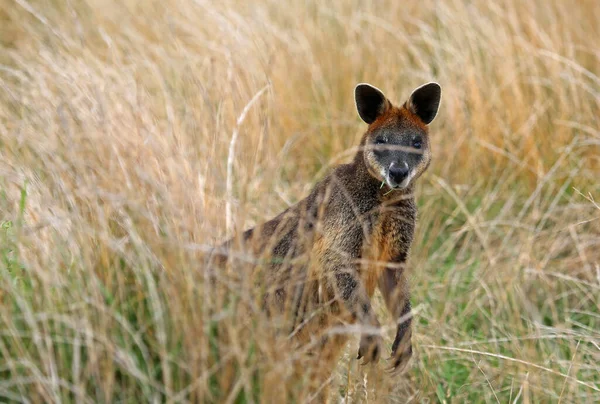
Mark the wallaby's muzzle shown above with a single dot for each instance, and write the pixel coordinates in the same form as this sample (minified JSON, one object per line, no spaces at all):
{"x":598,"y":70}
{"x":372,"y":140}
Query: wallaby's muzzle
{"x":398,"y":175}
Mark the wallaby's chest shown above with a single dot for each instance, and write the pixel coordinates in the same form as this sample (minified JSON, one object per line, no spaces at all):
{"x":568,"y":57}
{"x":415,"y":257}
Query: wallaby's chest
{"x":389,"y":242}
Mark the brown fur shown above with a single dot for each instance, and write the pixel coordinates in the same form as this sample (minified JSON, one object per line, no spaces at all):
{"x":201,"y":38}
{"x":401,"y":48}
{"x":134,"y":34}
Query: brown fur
{"x":330,"y":251}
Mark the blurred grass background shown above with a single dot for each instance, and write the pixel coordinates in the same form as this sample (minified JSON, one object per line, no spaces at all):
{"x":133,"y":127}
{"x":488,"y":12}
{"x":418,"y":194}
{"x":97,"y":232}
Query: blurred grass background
{"x":117,"y":122}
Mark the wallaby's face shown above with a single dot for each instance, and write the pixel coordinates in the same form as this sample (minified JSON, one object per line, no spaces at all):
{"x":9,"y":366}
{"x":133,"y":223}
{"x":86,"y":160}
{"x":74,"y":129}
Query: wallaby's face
{"x":396,"y":145}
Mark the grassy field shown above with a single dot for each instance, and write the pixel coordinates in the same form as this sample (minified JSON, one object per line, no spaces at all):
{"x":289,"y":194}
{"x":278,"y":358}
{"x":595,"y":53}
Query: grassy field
{"x":136,"y":135}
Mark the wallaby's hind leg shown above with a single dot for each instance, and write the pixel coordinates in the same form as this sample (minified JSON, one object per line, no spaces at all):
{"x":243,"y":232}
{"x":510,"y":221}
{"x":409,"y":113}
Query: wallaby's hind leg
{"x":321,"y":366}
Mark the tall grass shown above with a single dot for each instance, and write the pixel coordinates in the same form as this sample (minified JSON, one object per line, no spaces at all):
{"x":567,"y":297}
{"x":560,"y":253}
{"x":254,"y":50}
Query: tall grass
{"x":136,"y":135}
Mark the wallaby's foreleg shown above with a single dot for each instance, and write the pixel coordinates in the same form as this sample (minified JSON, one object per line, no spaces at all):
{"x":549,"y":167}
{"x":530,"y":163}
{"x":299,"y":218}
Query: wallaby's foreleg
{"x":394,"y":288}
{"x":353,"y":295}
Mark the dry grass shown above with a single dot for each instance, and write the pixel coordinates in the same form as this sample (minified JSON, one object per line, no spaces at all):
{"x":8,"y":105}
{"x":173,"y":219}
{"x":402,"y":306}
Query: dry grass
{"x":118,"y":169}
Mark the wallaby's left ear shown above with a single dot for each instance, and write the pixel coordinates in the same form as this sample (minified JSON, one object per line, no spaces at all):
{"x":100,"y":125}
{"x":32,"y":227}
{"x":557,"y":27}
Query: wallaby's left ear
{"x":425,"y":101}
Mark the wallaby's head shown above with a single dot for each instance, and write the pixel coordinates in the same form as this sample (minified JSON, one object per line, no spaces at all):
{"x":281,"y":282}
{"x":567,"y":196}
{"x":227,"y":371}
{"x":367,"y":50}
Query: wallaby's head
{"x":396,"y":145}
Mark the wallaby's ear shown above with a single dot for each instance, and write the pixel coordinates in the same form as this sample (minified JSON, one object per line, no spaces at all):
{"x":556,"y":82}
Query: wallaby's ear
{"x":425,"y":101}
{"x":370,"y":102}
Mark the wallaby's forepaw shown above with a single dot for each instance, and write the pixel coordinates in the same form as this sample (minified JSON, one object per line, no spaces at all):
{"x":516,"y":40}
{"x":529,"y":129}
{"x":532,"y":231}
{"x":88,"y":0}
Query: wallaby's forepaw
{"x":370,"y":348}
{"x":400,"y":358}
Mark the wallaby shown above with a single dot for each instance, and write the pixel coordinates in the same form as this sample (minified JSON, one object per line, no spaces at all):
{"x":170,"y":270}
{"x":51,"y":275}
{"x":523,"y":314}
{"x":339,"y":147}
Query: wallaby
{"x":323,"y":257}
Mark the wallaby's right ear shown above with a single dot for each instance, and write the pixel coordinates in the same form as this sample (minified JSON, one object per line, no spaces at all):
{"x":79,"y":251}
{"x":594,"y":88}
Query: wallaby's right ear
{"x":370,"y":102}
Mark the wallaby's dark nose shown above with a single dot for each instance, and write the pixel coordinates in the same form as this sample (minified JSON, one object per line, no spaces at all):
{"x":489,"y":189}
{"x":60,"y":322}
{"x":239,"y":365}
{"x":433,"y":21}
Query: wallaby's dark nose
{"x":398,"y":172}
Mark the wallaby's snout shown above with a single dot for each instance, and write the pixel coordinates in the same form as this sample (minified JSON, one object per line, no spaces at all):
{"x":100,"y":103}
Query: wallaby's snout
{"x":398,"y":174}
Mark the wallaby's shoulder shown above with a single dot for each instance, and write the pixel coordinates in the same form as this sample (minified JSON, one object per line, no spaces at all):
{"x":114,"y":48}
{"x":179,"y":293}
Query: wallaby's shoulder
{"x":352,"y":189}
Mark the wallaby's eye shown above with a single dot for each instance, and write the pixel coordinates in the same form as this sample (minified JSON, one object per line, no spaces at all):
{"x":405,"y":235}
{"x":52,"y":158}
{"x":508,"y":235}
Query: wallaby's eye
{"x":380,"y":140}
{"x":417,"y":143}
